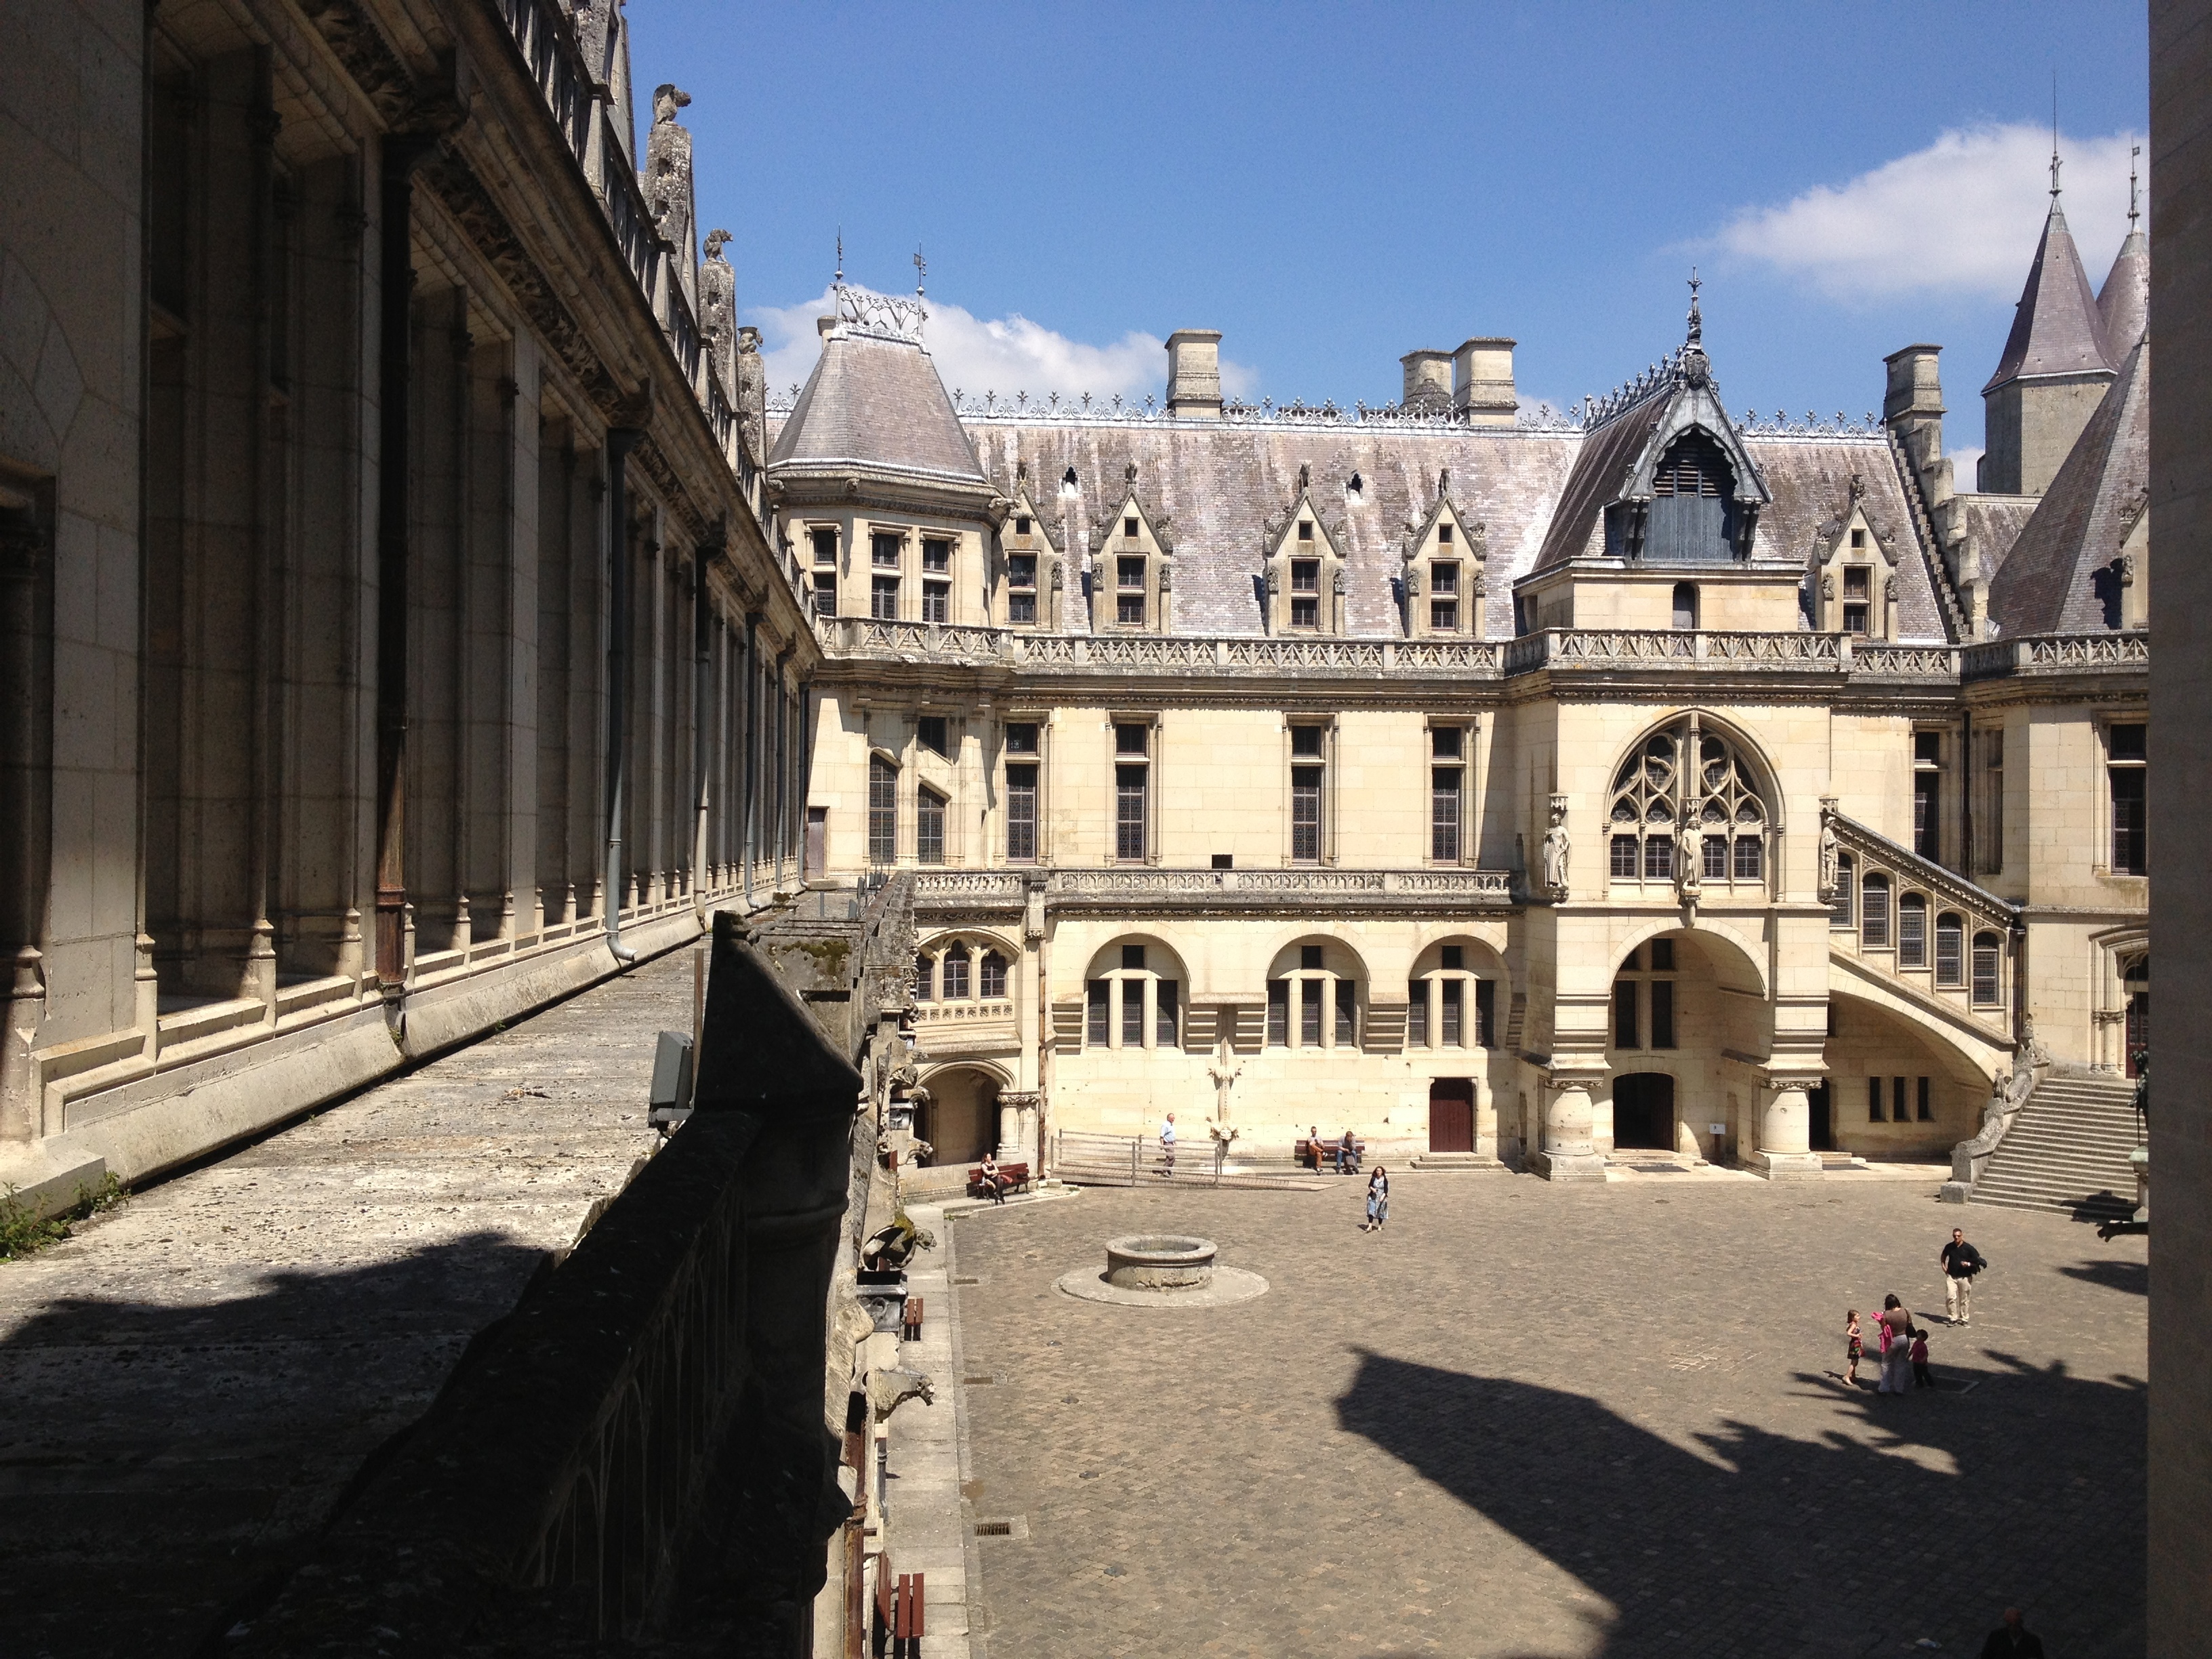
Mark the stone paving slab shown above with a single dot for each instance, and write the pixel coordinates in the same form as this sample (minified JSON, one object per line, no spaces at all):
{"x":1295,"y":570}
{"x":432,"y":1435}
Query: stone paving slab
{"x":192,"y":1380}
{"x":1535,"y":1420}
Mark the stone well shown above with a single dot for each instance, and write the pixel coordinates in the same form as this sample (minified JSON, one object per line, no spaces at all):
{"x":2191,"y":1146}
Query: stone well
{"x":1159,"y":1262}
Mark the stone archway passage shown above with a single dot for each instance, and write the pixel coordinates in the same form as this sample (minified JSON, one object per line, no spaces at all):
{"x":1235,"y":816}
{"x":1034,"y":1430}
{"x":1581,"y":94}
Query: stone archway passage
{"x":1451,"y":1115}
{"x":1644,"y":1110}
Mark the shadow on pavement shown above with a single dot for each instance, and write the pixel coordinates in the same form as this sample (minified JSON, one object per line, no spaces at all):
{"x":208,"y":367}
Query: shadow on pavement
{"x":162,"y":1461}
{"x":2133,"y":1277}
{"x":1754,"y":1542}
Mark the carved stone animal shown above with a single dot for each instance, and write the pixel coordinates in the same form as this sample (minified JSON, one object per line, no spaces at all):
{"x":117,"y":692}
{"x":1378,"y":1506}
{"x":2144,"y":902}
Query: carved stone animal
{"x":889,"y":1390}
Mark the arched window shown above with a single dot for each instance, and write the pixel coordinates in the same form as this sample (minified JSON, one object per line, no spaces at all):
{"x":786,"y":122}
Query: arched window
{"x":953,"y":976}
{"x":1950,"y":950}
{"x":928,"y":827}
{"x":883,"y":810}
{"x":1912,"y":931}
{"x":1312,"y":998}
{"x":1448,"y":1004}
{"x":991,"y":976}
{"x":1685,"y":605}
{"x":1133,"y":998}
{"x":1654,"y":793}
{"x":1987,"y":981}
{"x":1840,"y":907}
{"x":1873,"y":910}
{"x":1694,"y":466}
{"x":925,"y":977}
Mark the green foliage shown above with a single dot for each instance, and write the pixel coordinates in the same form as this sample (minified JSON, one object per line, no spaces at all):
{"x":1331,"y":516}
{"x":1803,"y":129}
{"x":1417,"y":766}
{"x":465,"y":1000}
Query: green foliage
{"x":23,"y":1231}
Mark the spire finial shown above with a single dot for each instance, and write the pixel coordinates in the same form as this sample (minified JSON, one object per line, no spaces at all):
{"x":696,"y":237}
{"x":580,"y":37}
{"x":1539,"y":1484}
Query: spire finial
{"x":920,"y":270}
{"x":2054,"y":137}
{"x":1697,"y":318}
{"x":840,"y":254}
{"x":2134,"y":151}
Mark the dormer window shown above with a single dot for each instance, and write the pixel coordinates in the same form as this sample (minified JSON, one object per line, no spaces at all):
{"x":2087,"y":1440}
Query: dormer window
{"x":1858,"y":589}
{"x":1129,"y":591}
{"x":1021,"y":587}
{"x":1691,"y":516}
{"x":1305,"y":592}
{"x":1444,"y":596}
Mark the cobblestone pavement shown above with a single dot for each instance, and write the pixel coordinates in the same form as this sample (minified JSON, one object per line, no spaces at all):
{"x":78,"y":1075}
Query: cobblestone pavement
{"x":1530,"y":1420}
{"x":191,"y":1380}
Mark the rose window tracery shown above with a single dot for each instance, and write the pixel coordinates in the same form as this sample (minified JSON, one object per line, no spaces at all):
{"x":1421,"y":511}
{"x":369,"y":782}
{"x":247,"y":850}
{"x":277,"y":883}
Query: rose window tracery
{"x":1672,"y":820}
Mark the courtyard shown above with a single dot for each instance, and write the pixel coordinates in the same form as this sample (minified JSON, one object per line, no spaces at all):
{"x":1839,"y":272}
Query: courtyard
{"x":1534,"y":1420}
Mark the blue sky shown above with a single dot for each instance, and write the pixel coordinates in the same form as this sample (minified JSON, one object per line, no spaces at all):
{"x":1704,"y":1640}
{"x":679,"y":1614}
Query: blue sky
{"x":1333,"y":185}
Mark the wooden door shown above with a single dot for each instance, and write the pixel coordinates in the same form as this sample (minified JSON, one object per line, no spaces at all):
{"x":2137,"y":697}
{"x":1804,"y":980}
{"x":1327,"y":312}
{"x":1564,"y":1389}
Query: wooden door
{"x":817,"y":841}
{"x":1451,"y":1115}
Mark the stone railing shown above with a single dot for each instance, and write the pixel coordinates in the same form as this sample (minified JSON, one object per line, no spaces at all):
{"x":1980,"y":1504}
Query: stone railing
{"x":2055,"y":653}
{"x":867,"y":637}
{"x":937,"y":888}
{"x":1629,"y":647}
{"x":996,"y":1009}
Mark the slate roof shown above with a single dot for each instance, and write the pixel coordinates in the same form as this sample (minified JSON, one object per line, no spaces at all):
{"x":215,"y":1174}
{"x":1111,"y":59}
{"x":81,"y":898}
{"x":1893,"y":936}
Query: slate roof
{"x":2055,"y":329}
{"x":1224,"y":482}
{"x":1607,"y":456}
{"x":1993,"y":523}
{"x":877,"y":403}
{"x":2044,"y":584}
{"x":2123,"y":302}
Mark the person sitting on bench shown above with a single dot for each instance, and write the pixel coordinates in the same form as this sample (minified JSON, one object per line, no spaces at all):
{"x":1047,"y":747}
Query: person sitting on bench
{"x":1348,"y":1153}
{"x":994,"y":1184}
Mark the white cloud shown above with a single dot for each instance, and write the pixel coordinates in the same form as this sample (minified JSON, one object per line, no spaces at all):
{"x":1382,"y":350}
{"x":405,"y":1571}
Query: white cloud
{"x":1959,"y":217}
{"x":1965,"y":470}
{"x":974,"y":355}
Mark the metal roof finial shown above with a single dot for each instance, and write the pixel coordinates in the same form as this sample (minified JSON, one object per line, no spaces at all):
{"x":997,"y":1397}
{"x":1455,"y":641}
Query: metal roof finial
{"x":840,"y":276}
{"x":920,"y":270}
{"x":1697,"y":319}
{"x":2054,"y":137}
{"x":2134,"y":151}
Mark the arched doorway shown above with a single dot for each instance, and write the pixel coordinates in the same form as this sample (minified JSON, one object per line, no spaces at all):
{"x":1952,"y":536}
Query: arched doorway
{"x":960,"y":1119}
{"x":1451,"y":1115}
{"x":1644,"y":1110}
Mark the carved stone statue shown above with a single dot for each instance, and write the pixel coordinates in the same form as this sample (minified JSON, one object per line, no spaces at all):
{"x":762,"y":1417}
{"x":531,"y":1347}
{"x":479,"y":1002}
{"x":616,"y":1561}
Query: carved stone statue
{"x":889,"y":1390}
{"x":1689,"y":859}
{"x":1828,"y":585}
{"x":1555,"y":849}
{"x":667,"y":99}
{"x":1831,"y":857}
{"x":1224,"y":1077}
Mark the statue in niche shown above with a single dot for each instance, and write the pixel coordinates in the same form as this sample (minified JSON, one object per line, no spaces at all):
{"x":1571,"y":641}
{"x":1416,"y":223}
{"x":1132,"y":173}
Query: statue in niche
{"x":1554,"y":853}
{"x":1830,"y":856}
{"x":1689,"y":858}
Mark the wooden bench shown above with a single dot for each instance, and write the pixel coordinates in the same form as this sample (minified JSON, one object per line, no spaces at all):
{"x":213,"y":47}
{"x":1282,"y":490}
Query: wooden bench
{"x":1012,"y":1177}
{"x":911,"y":1321}
{"x":1321,"y":1156}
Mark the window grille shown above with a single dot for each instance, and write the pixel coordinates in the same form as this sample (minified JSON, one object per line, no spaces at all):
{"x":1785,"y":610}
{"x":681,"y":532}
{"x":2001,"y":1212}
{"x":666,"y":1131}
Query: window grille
{"x":1912,"y":931}
{"x":1950,"y":951}
{"x":883,"y":810}
{"x":991,"y":976}
{"x":1098,"y":1000}
{"x":1133,"y":1013}
{"x":1130,"y":791}
{"x":1987,"y":986}
{"x":884,"y":550}
{"x":1454,"y":1000}
{"x":1021,"y":814}
{"x":1305,"y":814}
{"x":1167,"y":1023}
{"x":929,"y":827}
{"x":1873,"y":910}
{"x":1416,"y":1014}
{"x":2128,"y":768}
{"x":924,"y":978}
{"x":954,"y":973}
{"x":1444,"y":814}
{"x":1278,"y":1013}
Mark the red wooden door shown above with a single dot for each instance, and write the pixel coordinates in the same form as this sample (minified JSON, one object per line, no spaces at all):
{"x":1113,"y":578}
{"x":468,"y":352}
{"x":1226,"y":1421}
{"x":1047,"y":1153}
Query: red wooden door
{"x":1451,"y":1115}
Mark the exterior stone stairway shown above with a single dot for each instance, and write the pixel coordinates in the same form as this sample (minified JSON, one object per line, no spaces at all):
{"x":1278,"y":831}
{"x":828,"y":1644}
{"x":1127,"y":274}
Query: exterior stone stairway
{"x":2067,"y":1150}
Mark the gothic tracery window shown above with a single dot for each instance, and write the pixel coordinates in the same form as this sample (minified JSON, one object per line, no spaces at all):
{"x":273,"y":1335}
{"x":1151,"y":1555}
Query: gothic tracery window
{"x":1657,"y":798}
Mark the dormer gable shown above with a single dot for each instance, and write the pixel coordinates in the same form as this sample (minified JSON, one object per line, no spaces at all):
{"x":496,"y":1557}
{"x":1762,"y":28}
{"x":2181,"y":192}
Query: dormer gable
{"x":1853,"y":571}
{"x":1442,"y":590}
{"x":1303,"y":566}
{"x":1028,"y":579}
{"x":1133,"y":563}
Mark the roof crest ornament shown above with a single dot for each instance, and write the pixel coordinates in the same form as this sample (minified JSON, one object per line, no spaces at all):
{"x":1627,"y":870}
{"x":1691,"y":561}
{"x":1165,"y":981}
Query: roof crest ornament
{"x":879,"y":316}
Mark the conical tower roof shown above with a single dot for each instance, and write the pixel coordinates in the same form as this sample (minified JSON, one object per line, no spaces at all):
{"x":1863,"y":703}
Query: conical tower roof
{"x":874,"y":401}
{"x":2057,"y":329}
{"x":2124,"y":303}
{"x":2046,"y":584}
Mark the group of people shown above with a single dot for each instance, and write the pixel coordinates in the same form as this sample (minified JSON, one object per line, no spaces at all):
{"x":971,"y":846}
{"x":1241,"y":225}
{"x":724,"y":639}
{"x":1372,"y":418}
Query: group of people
{"x":1899,"y":1342}
{"x":1344,"y":1150}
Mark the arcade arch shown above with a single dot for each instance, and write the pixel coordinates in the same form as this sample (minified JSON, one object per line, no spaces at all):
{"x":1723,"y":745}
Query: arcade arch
{"x":960,"y":1118}
{"x":1688,"y":1027}
{"x":1314,"y":995}
{"x":1132,"y":995}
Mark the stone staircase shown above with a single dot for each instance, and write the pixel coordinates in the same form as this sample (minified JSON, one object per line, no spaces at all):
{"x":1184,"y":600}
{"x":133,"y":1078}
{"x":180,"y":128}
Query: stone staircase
{"x":2067,"y":1150}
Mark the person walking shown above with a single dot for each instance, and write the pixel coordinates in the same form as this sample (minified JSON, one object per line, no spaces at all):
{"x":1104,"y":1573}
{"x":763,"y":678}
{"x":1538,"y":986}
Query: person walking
{"x":1896,"y":1321}
{"x":2013,"y":1640}
{"x":1378,"y":1199}
{"x":1167,"y":1147}
{"x":1961,"y":1262}
{"x":1852,"y":1347}
{"x":1922,"y":1376}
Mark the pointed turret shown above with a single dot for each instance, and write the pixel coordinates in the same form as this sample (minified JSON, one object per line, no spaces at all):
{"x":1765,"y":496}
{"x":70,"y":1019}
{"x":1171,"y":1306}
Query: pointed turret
{"x":2124,"y":303}
{"x":2054,"y":368}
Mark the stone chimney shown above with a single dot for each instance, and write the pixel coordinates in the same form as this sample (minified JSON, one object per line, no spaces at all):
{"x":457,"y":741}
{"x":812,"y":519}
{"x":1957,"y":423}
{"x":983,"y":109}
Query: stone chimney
{"x":1915,"y":391}
{"x":1428,"y":381}
{"x":1194,"y":373}
{"x":1482,"y":382}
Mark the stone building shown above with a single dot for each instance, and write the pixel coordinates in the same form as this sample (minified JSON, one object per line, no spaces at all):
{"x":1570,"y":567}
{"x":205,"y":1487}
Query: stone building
{"x":1663,"y":779}
{"x":394,"y":634}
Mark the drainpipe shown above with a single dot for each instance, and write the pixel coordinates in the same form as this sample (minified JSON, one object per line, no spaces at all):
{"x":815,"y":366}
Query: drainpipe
{"x":621,"y":440}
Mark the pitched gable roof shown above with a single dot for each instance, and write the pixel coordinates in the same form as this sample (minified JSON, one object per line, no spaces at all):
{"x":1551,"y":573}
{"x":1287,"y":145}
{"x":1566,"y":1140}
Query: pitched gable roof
{"x":2055,"y":329}
{"x":2044,"y":584}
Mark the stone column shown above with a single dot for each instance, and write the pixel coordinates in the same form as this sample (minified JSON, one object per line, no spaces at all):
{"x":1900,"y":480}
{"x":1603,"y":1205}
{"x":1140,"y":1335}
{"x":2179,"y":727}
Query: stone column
{"x":1485,"y":1118}
{"x":1785,"y":1150}
{"x":1569,"y":1150}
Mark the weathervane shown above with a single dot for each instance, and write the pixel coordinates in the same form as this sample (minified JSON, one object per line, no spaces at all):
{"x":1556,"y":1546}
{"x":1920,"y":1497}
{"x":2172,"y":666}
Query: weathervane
{"x":1697,"y":320}
{"x":920,"y":270}
{"x":2134,"y":151}
{"x":840,"y":253}
{"x":2054,"y":135}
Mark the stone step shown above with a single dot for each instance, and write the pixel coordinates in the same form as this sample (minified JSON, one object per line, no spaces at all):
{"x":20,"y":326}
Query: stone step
{"x":2100,"y":1208}
{"x":1454,"y":1161}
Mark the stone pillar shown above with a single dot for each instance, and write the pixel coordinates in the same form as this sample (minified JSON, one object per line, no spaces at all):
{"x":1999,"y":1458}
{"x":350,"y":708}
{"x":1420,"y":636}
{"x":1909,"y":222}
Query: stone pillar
{"x":1785,"y":1147}
{"x":1568,"y":1152}
{"x":1485,"y":1119}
